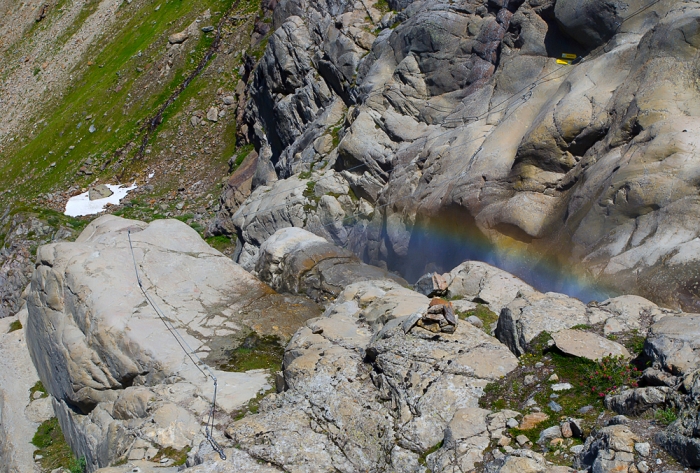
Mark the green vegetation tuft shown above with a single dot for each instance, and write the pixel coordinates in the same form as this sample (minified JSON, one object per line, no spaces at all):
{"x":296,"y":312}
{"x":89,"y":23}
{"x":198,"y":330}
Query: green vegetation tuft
{"x":581,"y":327}
{"x":120,"y":462}
{"x":240,"y":156}
{"x":222,"y":243}
{"x":38,"y":388}
{"x":483,"y":313}
{"x":14,"y":326}
{"x":665,"y":416}
{"x":255,"y":352}
{"x":590,"y":382}
{"x":179,"y":457}
{"x":422,"y":460}
{"x":310,"y":194}
{"x":54,"y":450}
{"x":382,"y":6}
{"x":107,"y":93}
{"x":335,"y":134}
{"x":253,"y":405}
{"x":611,"y":374}
{"x":635,"y":343}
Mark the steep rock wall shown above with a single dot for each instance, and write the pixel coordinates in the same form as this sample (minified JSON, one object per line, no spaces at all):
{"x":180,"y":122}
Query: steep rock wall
{"x":458,"y":135}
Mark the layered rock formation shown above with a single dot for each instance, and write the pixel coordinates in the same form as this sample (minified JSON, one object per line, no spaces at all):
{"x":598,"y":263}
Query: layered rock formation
{"x":448,"y":130}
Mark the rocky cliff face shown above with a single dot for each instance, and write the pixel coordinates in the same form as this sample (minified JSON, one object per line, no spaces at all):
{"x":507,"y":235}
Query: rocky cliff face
{"x":420,"y":133}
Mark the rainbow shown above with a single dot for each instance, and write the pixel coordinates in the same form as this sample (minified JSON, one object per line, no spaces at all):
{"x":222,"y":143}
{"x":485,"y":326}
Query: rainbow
{"x":443,"y":241}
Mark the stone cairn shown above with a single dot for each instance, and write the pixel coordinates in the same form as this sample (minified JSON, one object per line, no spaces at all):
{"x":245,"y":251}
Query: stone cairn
{"x":440,"y":317}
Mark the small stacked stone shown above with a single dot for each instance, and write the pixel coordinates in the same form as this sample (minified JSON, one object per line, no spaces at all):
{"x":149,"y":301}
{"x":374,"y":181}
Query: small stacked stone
{"x":440,"y":317}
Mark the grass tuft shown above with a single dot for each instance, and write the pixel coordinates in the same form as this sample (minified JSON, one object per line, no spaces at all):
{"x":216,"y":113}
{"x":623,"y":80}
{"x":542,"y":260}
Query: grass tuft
{"x":14,"y":326}
{"x":179,"y":457}
{"x":253,"y":405}
{"x":665,"y":416}
{"x":422,"y":460}
{"x":54,"y":450}
{"x":483,"y":313}
{"x":38,"y":388}
{"x":256,"y":352}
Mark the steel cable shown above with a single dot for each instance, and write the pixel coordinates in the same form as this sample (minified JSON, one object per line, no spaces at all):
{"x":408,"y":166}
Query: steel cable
{"x":196,"y":360}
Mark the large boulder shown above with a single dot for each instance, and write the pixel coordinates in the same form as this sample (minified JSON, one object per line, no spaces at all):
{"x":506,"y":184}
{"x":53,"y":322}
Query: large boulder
{"x":481,"y":282}
{"x":532,"y":313}
{"x":113,"y":368}
{"x":610,"y":449}
{"x":673,"y":344}
{"x":587,"y":345}
{"x":297,"y":261}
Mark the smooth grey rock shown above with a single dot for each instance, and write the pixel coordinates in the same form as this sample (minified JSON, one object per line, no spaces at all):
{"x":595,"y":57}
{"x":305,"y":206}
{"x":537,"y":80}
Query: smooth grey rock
{"x":673,"y":343}
{"x":132,"y":403}
{"x":643,"y":448}
{"x":531,"y":175}
{"x":88,"y":290}
{"x":619,"y":420}
{"x":19,"y":418}
{"x":297,"y":261}
{"x":587,"y":345}
{"x":594,"y":22}
{"x":636,"y":401}
{"x":100,"y":191}
{"x":554,"y":406}
{"x":476,"y":280}
{"x":550,"y":433}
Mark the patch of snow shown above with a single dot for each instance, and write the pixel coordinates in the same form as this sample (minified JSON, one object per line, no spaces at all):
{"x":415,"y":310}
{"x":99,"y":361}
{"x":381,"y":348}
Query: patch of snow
{"x":82,"y":205}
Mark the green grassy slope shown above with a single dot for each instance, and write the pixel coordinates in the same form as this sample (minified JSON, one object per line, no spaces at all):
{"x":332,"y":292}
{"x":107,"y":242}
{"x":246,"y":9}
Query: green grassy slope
{"x":115,"y":89}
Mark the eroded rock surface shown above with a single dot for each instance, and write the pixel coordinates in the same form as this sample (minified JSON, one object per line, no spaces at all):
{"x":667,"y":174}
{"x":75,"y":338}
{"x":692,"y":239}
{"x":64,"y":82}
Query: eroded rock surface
{"x":371,"y":390}
{"x":532,"y":313}
{"x":116,"y":375}
{"x":297,"y":261}
{"x":449,"y":131}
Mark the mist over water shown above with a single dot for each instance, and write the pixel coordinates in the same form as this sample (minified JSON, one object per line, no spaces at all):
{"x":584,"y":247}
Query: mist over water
{"x":445,"y":241}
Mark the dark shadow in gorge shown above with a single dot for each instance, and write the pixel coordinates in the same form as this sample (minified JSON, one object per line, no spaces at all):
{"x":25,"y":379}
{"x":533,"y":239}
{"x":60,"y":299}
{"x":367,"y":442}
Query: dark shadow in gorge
{"x":442,"y":241}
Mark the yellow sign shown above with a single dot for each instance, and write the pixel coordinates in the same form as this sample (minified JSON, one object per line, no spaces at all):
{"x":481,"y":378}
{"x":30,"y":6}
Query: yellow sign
{"x":562,"y":61}
{"x":569,"y":56}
